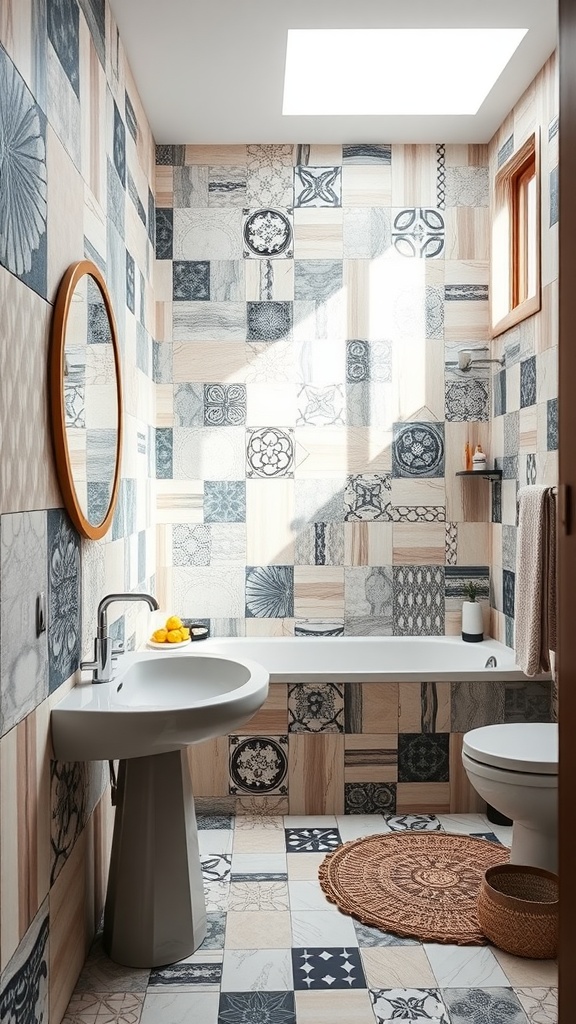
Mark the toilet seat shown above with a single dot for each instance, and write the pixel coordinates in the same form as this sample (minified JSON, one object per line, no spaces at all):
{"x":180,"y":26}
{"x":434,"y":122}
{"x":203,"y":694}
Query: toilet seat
{"x":529,"y":747}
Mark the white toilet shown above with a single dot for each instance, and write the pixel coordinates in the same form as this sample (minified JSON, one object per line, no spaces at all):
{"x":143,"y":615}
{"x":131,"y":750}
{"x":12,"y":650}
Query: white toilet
{"x":514,"y":768}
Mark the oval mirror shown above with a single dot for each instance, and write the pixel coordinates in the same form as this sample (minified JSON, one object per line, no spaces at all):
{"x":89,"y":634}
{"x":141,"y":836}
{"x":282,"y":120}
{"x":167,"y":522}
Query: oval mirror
{"x":86,"y":398}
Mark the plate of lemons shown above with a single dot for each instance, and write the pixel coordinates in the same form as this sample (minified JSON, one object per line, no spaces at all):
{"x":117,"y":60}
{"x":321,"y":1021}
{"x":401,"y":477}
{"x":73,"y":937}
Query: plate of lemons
{"x":171,"y":635}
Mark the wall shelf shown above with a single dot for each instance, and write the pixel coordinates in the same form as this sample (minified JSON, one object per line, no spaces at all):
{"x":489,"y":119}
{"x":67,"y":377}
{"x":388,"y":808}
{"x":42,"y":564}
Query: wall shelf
{"x":486,"y":474}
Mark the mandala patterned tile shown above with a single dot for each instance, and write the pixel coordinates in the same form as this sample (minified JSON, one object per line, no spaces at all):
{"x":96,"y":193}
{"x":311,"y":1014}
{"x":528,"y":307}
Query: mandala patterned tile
{"x":227,"y":186}
{"x":224,"y":501}
{"x":268,"y":234}
{"x":368,"y":361}
{"x":248,"y":1007}
{"x":116,"y":1007}
{"x":367,"y":497}
{"x":216,"y":867}
{"x":25,"y":980}
{"x":259,"y":895}
{"x":270,"y":591}
{"x":259,"y":764}
{"x":316,"y":707}
{"x":467,"y":186}
{"x":528,"y":382}
{"x":414,"y":823}
{"x":369,"y":797}
{"x":370,"y":937}
{"x":317,"y":186}
{"x":327,"y":968}
{"x":418,"y":600}
{"x":539,"y":1004}
{"x":186,"y":977}
{"x":24,"y":205}
{"x":478,"y":1005}
{"x":412,"y":1004}
{"x":190,"y":280}
{"x":418,"y":232}
{"x":467,"y":400}
{"x":312,"y":840}
{"x":423,"y":757}
{"x":418,"y":450}
{"x":269,"y":321}
{"x":224,"y":405}
{"x":270,"y":453}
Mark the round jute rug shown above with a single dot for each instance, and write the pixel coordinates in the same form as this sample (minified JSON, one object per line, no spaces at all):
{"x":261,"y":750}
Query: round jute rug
{"x":418,"y":884}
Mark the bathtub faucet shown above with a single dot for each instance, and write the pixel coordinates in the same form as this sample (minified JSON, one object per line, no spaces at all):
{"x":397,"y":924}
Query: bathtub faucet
{"x":104,"y":649}
{"x":491,"y":662}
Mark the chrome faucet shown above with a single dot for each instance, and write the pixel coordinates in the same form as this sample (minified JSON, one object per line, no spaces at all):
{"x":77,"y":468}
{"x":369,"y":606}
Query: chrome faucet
{"x":105,"y":650}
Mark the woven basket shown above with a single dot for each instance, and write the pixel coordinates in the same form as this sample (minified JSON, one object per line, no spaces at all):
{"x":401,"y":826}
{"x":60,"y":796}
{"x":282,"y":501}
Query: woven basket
{"x":518,"y":910}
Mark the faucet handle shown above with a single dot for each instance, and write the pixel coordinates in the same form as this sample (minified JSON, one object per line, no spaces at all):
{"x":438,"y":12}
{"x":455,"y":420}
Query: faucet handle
{"x":117,"y":649}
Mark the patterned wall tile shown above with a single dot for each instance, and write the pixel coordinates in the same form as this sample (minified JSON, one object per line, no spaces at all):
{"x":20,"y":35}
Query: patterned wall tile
{"x":25,"y":982}
{"x":474,"y":704}
{"x":190,"y":280}
{"x":528,"y":382}
{"x":552,"y":424}
{"x":224,"y":501}
{"x":418,"y":450}
{"x":508,"y":587}
{"x":259,"y":765}
{"x":317,"y":707}
{"x":368,"y":591}
{"x":317,"y":186}
{"x":528,"y":701}
{"x":366,"y":232}
{"x":418,"y":232}
{"x":64,"y":598}
{"x":418,"y":600}
{"x":367,"y":497}
{"x":423,"y":757}
{"x":467,"y":400}
{"x":268,"y":234}
{"x":554,"y":196}
{"x":467,"y":186}
{"x":270,"y":453}
{"x":269,"y":321}
{"x":24,"y":655}
{"x":270,"y":591}
{"x":370,"y":797}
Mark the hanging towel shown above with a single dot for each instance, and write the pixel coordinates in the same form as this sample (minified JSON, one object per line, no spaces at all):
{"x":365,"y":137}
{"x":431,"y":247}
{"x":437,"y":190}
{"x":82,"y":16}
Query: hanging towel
{"x":535,"y":596}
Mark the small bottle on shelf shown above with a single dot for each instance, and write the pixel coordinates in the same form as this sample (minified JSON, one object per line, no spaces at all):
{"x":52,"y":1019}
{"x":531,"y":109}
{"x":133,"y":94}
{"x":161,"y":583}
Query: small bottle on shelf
{"x":479,"y":459}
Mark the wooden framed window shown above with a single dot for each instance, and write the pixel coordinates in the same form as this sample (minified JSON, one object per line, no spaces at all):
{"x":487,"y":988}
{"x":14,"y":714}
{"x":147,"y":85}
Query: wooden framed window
{"x":515,"y":255}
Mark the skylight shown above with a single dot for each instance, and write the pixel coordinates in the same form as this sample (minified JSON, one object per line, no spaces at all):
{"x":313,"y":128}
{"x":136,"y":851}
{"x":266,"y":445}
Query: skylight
{"x":394,"y":71}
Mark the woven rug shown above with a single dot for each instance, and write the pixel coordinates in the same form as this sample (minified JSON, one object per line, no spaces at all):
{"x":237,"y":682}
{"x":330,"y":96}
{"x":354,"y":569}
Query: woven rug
{"x":418,"y":884}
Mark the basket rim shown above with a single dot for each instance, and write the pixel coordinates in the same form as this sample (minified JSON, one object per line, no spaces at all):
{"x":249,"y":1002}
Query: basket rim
{"x":531,"y":905}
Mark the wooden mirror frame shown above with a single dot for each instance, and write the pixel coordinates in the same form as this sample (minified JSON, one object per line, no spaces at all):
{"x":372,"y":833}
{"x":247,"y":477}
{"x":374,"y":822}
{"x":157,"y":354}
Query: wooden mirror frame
{"x":56,"y":388}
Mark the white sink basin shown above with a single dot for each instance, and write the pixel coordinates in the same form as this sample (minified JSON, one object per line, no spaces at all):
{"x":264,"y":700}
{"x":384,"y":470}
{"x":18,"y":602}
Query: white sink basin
{"x":157,"y":703}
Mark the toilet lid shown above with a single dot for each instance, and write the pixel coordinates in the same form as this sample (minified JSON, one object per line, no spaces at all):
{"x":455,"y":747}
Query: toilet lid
{"x":520,"y":747}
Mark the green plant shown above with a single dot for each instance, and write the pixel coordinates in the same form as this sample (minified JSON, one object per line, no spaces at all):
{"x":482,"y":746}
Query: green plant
{"x":471,"y":590}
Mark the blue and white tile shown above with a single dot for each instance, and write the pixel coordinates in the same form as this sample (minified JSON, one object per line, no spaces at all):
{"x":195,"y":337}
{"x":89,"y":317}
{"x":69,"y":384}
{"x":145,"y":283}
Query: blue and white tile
{"x":204,"y":975}
{"x":64,"y":603}
{"x":24,"y":655}
{"x":528,"y":382}
{"x":312,"y":839}
{"x":418,"y":450}
{"x":505,"y":151}
{"x":315,"y":707}
{"x":467,"y":400}
{"x":477,"y":1005}
{"x":465,"y":966}
{"x":321,"y":406}
{"x":414,"y":823}
{"x":25,"y":980}
{"x":322,"y":927}
{"x":418,"y":232}
{"x":317,"y":186}
{"x":164,"y":233}
{"x":324,"y":968}
{"x":421,"y":1004}
{"x":256,"y":970}
{"x":270,"y":591}
{"x":216,"y":865}
{"x":224,"y":501}
{"x":180,"y":1007}
{"x":248,"y":1007}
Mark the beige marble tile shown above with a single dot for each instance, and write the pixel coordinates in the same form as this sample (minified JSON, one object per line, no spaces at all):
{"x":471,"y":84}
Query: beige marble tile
{"x":367,"y":185}
{"x":318,"y":591}
{"x":331,"y":1007}
{"x":406,"y":491}
{"x":269,"y":519}
{"x":316,"y":773}
{"x":324,"y":155}
{"x":259,"y":840}
{"x":524,"y":973}
{"x":304,"y":866}
{"x":528,"y":430}
{"x":264,"y":929}
{"x":415,"y":700}
{"x":473,"y":544}
{"x":217,"y":156}
{"x":368,"y":543}
{"x":397,"y":967}
{"x":318,"y":234}
{"x":467,"y":233}
{"x":209,"y":361}
{"x":419,"y":543}
{"x":338,"y":451}
{"x":414,"y":175}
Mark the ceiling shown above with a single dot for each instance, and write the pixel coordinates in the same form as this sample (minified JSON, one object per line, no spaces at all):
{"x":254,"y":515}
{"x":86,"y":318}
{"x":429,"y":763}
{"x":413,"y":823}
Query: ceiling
{"x":212,"y":71}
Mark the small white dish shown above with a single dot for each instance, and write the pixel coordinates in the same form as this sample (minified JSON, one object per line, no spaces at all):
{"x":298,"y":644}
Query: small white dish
{"x":167,"y":646}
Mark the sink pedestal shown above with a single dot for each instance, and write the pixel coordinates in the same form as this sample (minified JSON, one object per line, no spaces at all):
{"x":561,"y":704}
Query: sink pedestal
{"x":155,"y":910}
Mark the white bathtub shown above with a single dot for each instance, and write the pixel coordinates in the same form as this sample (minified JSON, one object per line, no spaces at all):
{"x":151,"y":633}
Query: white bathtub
{"x":369,"y":659}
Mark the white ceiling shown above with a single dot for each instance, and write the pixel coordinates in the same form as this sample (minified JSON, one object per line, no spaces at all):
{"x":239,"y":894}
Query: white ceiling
{"x":212,"y":71}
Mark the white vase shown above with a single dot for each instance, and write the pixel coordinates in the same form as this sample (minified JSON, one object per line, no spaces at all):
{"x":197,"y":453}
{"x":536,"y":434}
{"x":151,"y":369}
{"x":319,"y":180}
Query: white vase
{"x":472,"y":622}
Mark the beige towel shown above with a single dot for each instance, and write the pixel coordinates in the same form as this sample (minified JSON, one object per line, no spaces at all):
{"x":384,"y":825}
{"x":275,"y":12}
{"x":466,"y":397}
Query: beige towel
{"x":535,"y":598}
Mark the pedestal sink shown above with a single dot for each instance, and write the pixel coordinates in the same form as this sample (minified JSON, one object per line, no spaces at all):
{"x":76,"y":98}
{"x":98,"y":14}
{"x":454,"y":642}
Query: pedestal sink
{"x":154,"y":707}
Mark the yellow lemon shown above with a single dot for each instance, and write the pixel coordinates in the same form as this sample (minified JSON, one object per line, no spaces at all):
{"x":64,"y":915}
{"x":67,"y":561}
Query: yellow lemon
{"x":160,"y":635}
{"x":174,"y":636}
{"x":185,"y":632}
{"x":173,"y":623}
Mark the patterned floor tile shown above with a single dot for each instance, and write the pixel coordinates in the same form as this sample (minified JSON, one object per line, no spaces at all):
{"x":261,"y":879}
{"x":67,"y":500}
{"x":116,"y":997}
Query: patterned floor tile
{"x":539,"y":1004}
{"x":215,"y":821}
{"x":216,"y":868}
{"x":180,"y":1007}
{"x":258,"y":896}
{"x":249,"y":1007}
{"x":187,"y":977}
{"x":217,"y":895}
{"x":368,"y":937}
{"x":414,"y":822}
{"x":100,"y":974}
{"x":215,"y":930}
{"x":411,"y":1004}
{"x":312,"y":840}
{"x":327,"y":968}
{"x":478,"y":1005}
{"x":266,"y":822}
{"x":115,"y":1008}
{"x":523,"y":972}
{"x":256,"y":970}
